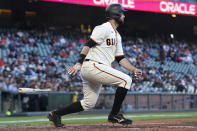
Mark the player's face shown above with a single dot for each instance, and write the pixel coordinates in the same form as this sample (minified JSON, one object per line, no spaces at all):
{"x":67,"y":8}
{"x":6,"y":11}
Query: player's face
{"x":122,"y":17}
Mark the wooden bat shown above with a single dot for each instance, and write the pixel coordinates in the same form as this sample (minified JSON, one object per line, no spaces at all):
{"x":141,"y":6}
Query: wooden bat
{"x":29,"y":90}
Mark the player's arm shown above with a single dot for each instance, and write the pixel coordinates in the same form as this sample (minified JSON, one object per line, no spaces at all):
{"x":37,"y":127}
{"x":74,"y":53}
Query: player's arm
{"x":97,"y":36}
{"x":91,"y":43}
{"x":82,"y":56}
{"x":126,"y":64}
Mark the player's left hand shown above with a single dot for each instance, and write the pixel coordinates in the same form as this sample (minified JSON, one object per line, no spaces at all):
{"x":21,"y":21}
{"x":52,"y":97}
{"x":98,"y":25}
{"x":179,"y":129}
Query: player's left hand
{"x":137,"y":73}
{"x":73,"y":70}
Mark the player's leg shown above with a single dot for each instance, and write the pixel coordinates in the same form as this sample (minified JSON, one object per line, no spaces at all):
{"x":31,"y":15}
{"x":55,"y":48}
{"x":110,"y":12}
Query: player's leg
{"x":91,"y":90}
{"x":115,"y":116}
{"x":55,"y":116}
{"x":107,"y":75}
{"x":110,"y":76}
{"x":91,"y":93}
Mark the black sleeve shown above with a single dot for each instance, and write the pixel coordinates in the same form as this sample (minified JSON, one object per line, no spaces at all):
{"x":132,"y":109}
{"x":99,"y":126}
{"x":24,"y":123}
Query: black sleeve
{"x":119,"y":58}
{"x":91,"y":43}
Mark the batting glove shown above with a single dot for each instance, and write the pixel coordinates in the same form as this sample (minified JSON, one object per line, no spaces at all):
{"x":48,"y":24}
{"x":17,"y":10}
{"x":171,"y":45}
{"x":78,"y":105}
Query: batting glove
{"x":137,"y":73}
{"x":73,"y":70}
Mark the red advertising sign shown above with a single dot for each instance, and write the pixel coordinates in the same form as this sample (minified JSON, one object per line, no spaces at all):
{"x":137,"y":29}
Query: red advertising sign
{"x":160,"y":6}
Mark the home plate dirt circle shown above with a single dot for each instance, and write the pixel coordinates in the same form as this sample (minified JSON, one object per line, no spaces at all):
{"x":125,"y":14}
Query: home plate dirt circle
{"x":148,"y":125}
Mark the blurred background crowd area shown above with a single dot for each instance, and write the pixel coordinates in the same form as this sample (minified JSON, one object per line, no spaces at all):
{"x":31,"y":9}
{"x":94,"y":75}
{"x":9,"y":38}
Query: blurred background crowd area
{"x":41,"y":58}
{"x":40,"y":40}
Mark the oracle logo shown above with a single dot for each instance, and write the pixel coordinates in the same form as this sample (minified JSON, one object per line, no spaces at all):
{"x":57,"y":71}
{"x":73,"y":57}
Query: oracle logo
{"x":124,"y":3}
{"x":180,"y":8}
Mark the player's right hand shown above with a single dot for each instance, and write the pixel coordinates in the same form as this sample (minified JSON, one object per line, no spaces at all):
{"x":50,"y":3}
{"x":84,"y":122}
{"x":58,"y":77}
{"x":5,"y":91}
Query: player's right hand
{"x":73,"y":70}
{"x":137,"y":73}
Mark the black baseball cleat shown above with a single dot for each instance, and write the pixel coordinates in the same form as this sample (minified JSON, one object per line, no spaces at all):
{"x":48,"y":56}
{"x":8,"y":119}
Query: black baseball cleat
{"x":55,"y":119}
{"x":119,"y":118}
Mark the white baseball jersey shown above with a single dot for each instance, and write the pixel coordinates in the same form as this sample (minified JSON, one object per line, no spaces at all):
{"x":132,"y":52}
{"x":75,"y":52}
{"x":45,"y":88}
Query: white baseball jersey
{"x":109,"y":44}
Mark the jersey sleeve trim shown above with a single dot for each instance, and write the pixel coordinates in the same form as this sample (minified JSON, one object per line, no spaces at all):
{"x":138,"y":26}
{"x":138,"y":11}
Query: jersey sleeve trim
{"x":91,"y":43}
{"x":94,"y":41}
{"x":118,"y":59}
{"x":119,"y":56}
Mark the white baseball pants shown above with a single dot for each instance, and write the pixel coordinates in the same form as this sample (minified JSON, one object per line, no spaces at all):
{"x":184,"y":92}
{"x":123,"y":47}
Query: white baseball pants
{"x":94,"y":75}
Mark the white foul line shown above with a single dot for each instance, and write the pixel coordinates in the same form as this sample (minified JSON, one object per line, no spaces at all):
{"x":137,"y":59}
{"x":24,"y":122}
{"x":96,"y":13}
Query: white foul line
{"x":92,"y":118}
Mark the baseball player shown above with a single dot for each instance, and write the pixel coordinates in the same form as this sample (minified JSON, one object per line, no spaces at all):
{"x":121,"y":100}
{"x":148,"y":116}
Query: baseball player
{"x":94,"y":64}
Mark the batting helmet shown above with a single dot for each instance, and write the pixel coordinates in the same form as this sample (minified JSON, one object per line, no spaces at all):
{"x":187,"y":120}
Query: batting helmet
{"x":114,"y":11}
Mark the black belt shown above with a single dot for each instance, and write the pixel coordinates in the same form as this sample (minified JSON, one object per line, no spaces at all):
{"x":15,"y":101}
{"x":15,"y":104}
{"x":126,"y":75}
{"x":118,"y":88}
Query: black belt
{"x":92,"y":60}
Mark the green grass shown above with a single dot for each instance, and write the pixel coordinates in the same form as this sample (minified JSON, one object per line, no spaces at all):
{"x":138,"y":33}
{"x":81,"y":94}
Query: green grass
{"x":79,"y":119}
{"x":190,"y":122}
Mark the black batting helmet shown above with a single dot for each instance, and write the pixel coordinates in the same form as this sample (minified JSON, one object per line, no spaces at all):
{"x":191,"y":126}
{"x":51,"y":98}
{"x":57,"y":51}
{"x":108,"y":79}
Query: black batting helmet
{"x":113,"y":11}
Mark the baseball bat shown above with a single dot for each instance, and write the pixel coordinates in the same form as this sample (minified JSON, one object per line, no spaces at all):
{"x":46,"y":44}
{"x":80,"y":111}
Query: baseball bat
{"x":29,"y":90}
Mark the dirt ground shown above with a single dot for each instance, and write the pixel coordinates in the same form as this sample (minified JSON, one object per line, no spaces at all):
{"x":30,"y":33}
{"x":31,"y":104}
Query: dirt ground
{"x":148,"y":125}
